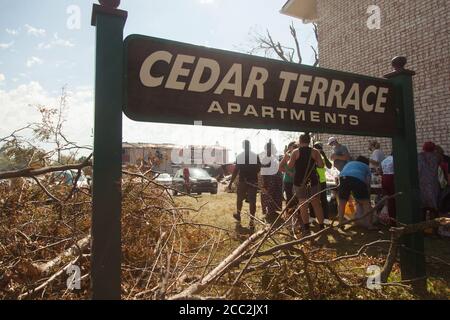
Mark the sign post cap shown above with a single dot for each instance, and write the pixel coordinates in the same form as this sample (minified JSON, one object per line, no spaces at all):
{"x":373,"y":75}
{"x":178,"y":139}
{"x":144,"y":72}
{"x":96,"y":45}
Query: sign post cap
{"x":108,"y":7}
{"x":113,"y":4}
{"x":398,"y":64}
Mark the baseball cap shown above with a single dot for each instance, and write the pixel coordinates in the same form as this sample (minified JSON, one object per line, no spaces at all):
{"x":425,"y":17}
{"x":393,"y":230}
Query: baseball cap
{"x":332,"y":140}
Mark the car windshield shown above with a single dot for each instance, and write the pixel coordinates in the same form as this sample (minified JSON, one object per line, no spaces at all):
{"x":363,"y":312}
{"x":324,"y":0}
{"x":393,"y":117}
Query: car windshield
{"x":199,"y":173}
{"x":164,"y":176}
{"x":64,"y":175}
{"x":74,"y":174}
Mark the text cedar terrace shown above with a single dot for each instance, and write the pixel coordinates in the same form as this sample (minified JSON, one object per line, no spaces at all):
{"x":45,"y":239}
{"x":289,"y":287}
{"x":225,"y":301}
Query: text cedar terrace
{"x":205,"y":76}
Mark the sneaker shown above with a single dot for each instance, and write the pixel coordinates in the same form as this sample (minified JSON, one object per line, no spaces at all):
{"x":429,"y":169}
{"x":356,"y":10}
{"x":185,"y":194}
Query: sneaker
{"x":305,"y":233}
{"x":237,"y":216}
{"x":270,"y":218}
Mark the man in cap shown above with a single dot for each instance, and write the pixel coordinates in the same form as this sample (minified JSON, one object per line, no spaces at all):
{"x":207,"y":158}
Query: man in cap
{"x":340,"y":155}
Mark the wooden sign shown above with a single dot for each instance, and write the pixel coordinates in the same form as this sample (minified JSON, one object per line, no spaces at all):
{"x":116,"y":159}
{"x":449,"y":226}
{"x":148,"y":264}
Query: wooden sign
{"x":173,"y":82}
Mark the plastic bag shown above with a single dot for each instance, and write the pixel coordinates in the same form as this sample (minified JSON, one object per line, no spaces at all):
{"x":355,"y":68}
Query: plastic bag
{"x":350,"y":209}
{"x":383,"y":216}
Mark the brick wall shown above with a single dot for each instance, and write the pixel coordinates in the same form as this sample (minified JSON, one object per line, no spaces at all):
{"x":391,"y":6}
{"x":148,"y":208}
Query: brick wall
{"x":419,"y":30}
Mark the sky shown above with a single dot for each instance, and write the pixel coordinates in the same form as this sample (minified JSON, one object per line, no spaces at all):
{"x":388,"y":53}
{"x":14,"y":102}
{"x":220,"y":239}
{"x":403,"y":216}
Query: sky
{"x":44,"y":47}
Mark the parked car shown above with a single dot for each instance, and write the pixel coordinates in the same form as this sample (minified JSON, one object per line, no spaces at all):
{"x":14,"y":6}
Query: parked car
{"x":67,"y":177}
{"x":200,"y":181}
{"x":164,"y":179}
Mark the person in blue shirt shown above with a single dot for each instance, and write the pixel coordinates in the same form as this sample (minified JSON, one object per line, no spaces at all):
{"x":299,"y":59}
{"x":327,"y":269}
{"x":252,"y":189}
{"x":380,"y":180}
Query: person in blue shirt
{"x":355,"y":180}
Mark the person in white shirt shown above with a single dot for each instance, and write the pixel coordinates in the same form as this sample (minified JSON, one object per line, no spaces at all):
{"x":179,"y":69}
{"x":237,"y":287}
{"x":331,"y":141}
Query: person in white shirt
{"x":387,"y":165}
{"x":376,"y":157}
{"x":388,"y":186}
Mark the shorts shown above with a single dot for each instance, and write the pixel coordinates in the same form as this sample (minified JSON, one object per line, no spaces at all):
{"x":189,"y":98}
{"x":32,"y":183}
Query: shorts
{"x":353,"y":185}
{"x":306,"y":192}
{"x":246,"y":191}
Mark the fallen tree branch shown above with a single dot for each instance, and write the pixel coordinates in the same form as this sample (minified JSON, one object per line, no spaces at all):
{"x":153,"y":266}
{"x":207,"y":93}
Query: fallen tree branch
{"x":290,"y":244}
{"x":48,"y":281}
{"x":398,"y":232}
{"x":240,"y":254}
{"x":82,"y":245}
{"x":32,"y":172}
{"x":54,"y":198}
{"x":413,"y":228}
{"x":198,"y":287}
{"x":360,"y":251}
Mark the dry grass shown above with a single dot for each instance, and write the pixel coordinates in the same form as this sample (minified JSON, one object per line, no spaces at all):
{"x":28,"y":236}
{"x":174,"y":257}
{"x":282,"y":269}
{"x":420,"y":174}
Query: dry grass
{"x":216,"y":209}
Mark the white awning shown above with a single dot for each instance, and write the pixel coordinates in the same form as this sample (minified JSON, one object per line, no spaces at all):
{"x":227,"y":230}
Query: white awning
{"x":302,"y":9}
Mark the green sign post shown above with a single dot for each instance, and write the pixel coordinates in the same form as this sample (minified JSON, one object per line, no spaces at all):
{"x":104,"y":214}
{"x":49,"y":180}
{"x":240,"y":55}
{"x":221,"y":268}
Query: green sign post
{"x":406,"y":172}
{"x":157,"y":80}
{"x":107,"y":171}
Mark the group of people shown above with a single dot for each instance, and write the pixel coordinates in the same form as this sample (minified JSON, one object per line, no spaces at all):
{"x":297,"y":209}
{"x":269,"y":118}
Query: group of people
{"x":433,"y":176}
{"x":301,"y":178}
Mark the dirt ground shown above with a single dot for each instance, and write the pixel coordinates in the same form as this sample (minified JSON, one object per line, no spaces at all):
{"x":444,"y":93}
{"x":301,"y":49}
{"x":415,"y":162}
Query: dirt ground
{"x":217,"y":210}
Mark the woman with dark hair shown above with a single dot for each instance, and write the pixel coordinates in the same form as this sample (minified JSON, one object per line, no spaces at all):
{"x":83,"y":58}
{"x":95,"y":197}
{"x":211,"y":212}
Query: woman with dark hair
{"x":288,"y":176}
{"x":428,"y":161}
{"x":272,"y":183}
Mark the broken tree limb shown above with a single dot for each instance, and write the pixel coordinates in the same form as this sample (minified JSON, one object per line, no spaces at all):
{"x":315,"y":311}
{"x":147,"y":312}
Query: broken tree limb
{"x":398,"y":232}
{"x":198,"y":287}
{"x":32,"y":172}
{"x":82,"y":245}
{"x":390,"y":259}
{"x":413,"y":228}
{"x":242,"y":254}
{"x":48,"y":281}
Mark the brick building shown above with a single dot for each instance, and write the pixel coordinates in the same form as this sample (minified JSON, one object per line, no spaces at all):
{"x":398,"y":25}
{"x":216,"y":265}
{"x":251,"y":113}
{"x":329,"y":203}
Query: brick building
{"x":419,"y":30}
